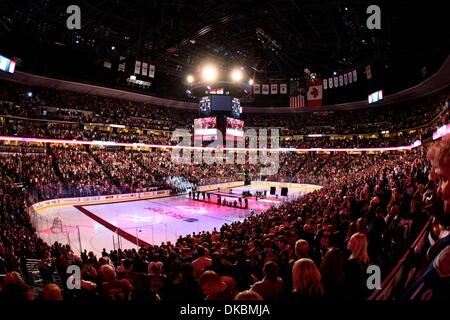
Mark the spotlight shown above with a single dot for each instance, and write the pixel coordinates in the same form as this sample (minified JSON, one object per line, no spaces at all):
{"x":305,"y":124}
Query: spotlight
{"x":251,"y":81}
{"x":113,"y":48}
{"x":209,"y":73}
{"x":334,"y":73}
{"x":29,"y":94}
{"x":236,"y":75}
{"x":190,"y":78}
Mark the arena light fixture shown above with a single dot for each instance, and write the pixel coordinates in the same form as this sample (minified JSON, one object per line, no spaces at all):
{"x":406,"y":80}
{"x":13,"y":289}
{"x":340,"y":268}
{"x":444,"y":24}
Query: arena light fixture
{"x":251,"y":81}
{"x":236,"y":75}
{"x":209,"y":73}
{"x":190,"y":78}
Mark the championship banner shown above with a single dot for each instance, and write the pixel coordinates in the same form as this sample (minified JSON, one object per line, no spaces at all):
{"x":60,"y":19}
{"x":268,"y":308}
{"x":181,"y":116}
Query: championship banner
{"x":350,"y":77}
{"x":345,"y":79}
{"x":325,"y":84}
{"x":121,"y":66}
{"x":341,"y":80}
{"x":336,"y":82}
{"x":256,"y":88}
{"x":265,"y":89}
{"x":355,"y":76}
{"x":330,"y":83}
{"x":274,"y":88}
{"x":368,"y":72}
{"x":151,"y":71}
{"x":283,"y":88}
{"x":144,"y":68}
{"x":137,"y":67}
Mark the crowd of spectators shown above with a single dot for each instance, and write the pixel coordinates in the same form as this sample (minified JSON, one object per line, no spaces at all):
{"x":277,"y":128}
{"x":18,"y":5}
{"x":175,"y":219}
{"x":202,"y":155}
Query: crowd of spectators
{"x":369,"y":211}
{"x":81,"y":108}
{"x":315,"y":247}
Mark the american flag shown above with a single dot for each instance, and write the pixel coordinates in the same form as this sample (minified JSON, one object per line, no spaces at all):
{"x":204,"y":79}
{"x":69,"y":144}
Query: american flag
{"x":296,"y":94}
{"x":297,"y":101}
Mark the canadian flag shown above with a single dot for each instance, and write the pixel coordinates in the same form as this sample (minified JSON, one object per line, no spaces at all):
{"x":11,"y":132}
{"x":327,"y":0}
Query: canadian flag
{"x":314,"y":96}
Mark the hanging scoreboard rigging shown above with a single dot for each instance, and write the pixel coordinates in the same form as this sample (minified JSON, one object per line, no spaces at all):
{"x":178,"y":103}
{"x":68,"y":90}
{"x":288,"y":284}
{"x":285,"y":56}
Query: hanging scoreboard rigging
{"x":205,"y":106}
{"x":236,"y":108}
{"x":220,"y":103}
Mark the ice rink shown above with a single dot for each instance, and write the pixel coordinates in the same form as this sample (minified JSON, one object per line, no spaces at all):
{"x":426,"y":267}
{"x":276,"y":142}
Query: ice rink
{"x":94,"y":227}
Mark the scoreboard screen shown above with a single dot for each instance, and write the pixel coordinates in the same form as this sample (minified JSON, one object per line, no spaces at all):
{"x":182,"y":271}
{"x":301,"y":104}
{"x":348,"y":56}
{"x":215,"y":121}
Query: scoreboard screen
{"x":236,"y":108}
{"x":220,"y":103}
{"x":7,"y":65}
{"x":235,"y":127}
{"x":375,"y":97}
{"x":205,"y":106}
{"x":205,"y":126}
{"x":224,"y":103}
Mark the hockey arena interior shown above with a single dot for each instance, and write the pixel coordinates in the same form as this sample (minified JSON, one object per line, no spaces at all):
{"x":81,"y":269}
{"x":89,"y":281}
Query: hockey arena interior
{"x":224,"y":150}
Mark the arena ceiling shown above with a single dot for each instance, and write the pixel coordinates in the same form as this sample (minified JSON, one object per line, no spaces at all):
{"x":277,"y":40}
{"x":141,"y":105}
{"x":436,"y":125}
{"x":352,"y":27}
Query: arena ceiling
{"x":273,"y":40}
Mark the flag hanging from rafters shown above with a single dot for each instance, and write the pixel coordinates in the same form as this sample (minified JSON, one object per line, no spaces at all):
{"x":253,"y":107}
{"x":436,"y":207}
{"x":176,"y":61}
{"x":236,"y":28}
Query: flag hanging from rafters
{"x":296,"y":95}
{"x":137,"y":67}
{"x":314,"y":95}
{"x":256,"y":88}
{"x":297,"y":100}
{"x":274,"y":88}
{"x":151,"y":71}
{"x":368,"y":72}
{"x":121,"y":66}
{"x":144,"y":68}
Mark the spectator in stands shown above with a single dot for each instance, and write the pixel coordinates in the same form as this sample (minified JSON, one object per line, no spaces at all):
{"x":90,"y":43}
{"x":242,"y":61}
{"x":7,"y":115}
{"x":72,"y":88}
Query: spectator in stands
{"x":142,"y":291}
{"x":201,"y":263}
{"x":242,"y":270}
{"x":356,"y":266}
{"x":271,"y":286}
{"x":15,"y":289}
{"x":220,"y":265}
{"x":434,"y":283}
{"x":302,"y":249}
{"x":332,"y":271}
{"x":306,"y":280}
{"x":215,"y":287}
{"x":51,"y":291}
{"x":157,"y":278}
{"x":186,"y":287}
{"x":248,"y":295}
{"x":113,"y":289}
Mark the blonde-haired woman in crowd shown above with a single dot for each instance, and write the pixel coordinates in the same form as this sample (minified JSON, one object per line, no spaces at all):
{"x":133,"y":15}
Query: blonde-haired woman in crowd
{"x":356,"y":266}
{"x":306,"y":280}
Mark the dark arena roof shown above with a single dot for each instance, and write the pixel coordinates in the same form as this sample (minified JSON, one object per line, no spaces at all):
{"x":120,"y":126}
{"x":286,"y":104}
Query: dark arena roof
{"x":177,"y":152}
{"x":274,"y":41}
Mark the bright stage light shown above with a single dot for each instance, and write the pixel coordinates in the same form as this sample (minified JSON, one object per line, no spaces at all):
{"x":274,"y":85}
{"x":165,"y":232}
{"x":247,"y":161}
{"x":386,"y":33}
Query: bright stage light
{"x":190,"y":79}
{"x":236,"y":75}
{"x":251,"y":81}
{"x":209,"y":73}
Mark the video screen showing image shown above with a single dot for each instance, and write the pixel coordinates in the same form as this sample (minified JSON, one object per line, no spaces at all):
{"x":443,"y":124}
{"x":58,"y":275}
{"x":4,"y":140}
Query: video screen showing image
{"x":205,"y":126}
{"x":235,"y":127}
